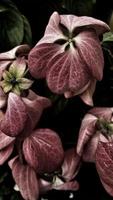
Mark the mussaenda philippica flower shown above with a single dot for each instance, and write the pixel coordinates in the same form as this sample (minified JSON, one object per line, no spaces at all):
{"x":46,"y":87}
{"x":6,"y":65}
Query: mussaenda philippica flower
{"x":95,"y":143}
{"x":37,"y":150}
{"x":13,"y":72}
{"x":70,"y":56}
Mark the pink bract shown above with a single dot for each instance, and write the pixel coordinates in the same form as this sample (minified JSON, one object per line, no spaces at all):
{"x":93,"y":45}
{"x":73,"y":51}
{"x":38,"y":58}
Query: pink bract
{"x":69,"y":55}
{"x":95,"y":143}
{"x":66,"y":179}
{"x":16,"y":56}
{"x":38,"y":151}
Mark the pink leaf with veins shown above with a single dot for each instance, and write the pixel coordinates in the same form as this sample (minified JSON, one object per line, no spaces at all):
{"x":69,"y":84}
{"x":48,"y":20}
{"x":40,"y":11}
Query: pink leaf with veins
{"x":104,"y":165}
{"x":15,"y":117}
{"x":12,"y":161}
{"x":5,"y":140}
{"x":26,"y":179}
{"x":35,"y":105}
{"x":13,"y":53}
{"x":86,"y":132}
{"x":71,"y":165}
{"x":5,"y":153}
{"x":64,"y":72}
{"x":3,"y":98}
{"x":90,"y":50}
{"x":43,"y":151}
{"x":90,"y":148}
{"x":53,"y":32}
{"x":102,"y":112}
{"x":40,"y":56}
{"x":87,"y":95}
{"x":73,"y":22}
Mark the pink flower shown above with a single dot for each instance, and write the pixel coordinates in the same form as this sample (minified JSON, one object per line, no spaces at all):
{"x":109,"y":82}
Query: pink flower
{"x":69,"y":55}
{"x":64,"y":179}
{"x":37,"y":151}
{"x":95,"y":143}
{"x":13,"y":68}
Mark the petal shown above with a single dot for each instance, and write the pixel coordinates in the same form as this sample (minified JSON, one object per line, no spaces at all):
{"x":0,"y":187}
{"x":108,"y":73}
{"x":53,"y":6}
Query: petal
{"x":16,"y":90}
{"x":18,"y":67}
{"x":26,"y":179}
{"x":86,"y":96}
{"x":90,"y":149}
{"x":7,"y":87}
{"x":17,"y":51}
{"x":39,"y":57}
{"x":72,"y":186}
{"x":52,"y":32}
{"x":15,"y":117}
{"x":102,"y":112}
{"x":87,"y":130}
{"x":43,"y":151}
{"x":24,"y":83}
{"x":7,"y":76}
{"x":90,"y":50}
{"x":71,"y":165}
{"x":67,"y":73}
{"x":104,"y":165}
{"x":5,"y":140}
{"x":35,"y":105}
{"x":44,"y":186}
{"x":108,"y":187}
{"x":12,"y":161}
{"x":85,"y":21}
{"x":3,"y":98}
{"x":3,"y":67}
{"x":5,"y":153}
{"x":69,"y":21}
{"x":69,"y":94}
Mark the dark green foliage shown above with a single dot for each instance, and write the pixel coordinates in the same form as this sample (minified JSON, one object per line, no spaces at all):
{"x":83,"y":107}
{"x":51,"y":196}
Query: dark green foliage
{"x":14,"y":27}
{"x":79,"y":7}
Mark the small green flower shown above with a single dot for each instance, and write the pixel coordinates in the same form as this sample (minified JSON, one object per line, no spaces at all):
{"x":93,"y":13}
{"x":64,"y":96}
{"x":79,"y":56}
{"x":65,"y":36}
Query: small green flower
{"x":13,"y":78}
{"x":105,"y":127}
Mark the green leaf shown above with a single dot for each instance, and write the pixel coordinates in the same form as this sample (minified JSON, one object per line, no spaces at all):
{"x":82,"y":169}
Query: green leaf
{"x":79,"y":7}
{"x":107,"y":37}
{"x":14,"y":28}
{"x":107,"y":45}
{"x":2,"y":8}
{"x":27,"y":31}
{"x":16,"y":196}
{"x":11,"y":27}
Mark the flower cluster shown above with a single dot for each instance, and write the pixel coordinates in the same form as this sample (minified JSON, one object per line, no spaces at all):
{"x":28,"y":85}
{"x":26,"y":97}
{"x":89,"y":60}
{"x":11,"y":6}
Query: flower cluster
{"x":70,"y":58}
{"x":36,"y":151}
